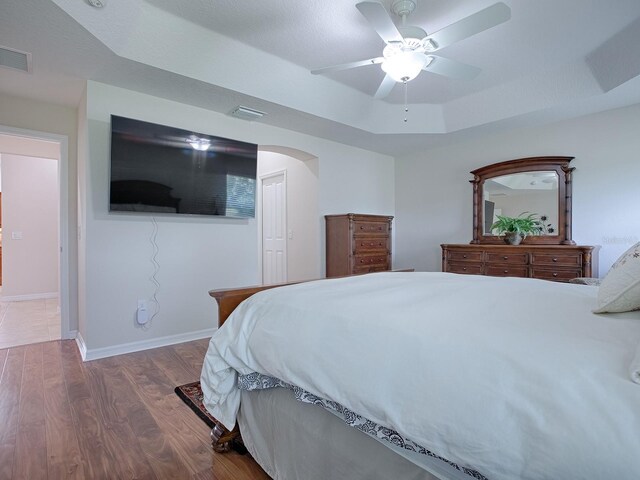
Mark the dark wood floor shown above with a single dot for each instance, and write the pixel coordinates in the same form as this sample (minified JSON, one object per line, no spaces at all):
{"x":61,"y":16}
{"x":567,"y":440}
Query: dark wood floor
{"x":106,"y":419}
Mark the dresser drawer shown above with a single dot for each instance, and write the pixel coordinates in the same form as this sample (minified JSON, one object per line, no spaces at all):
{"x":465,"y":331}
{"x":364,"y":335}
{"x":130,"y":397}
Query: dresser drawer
{"x":550,"y":262}
{"x":370,"y":269}
{"x":507,"y":270}
{"x":365,"y":260}
{"x":563,"y":259}
{"x":371,"y":244}
{"x":465,"y":256}
{"x":470,"y":268}
{"x":557,"y":274}
{"x":367,"y":228}
{"x":507,"y":258}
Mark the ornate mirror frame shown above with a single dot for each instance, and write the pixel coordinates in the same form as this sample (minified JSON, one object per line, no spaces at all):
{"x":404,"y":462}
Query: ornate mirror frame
{"x":532,"y":164}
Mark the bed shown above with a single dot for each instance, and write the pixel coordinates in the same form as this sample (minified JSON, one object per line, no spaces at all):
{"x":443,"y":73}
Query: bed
{"x":427,"y":375}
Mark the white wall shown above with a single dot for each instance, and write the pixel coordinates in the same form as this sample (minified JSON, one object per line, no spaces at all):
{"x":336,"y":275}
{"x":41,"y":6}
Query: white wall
{"x":434,"y":197}
{"x":303,"y":218}
{"x":196,"y":253}
{"x":358,"y":182}
{"x":29,"y":146}
{"x":29,"y":208}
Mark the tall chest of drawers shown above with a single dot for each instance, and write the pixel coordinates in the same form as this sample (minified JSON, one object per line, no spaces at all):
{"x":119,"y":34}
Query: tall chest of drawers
{"x":559,"y":263}
{"x":357,"y":243}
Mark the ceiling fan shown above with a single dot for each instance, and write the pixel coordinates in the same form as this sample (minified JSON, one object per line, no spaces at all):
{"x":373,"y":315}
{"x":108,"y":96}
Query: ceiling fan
{"x":410,"y":49}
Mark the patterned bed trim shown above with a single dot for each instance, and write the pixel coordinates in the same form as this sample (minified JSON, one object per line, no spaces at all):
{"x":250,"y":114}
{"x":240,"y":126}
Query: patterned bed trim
{"x":258,"y":381}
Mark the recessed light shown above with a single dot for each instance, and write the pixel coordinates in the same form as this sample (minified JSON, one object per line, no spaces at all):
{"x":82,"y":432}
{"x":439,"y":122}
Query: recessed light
{"x":96,"y":3}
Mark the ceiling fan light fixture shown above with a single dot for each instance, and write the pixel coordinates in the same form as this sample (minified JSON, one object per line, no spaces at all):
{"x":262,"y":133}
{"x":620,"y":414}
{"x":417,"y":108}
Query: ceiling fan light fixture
{"x":403,"y":7}
{"x":429,"y":45}
{"x":405,"y":66}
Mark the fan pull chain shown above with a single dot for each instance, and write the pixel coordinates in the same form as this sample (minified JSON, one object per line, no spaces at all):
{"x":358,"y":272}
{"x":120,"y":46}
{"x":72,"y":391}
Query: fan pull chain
{"x":406,"y":106}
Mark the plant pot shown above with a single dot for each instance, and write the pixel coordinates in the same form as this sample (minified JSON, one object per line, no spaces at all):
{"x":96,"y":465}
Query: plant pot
{"x":513,"y":238}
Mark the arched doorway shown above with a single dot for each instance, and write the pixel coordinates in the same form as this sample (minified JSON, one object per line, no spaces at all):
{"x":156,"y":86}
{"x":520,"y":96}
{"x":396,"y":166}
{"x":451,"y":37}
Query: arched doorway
{"x":287,"y":213}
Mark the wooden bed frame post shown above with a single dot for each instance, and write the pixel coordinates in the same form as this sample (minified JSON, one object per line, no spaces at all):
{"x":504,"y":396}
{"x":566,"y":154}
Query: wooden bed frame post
{"x":229,"y":298}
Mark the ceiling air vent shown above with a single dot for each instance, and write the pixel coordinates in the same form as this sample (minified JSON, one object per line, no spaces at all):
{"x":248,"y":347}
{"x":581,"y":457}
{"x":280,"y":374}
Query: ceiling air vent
{"x":246,"y":113}
{"x":15,"y":59}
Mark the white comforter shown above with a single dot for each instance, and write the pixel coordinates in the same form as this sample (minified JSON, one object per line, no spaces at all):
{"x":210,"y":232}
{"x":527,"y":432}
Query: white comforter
{"x":515,"y":378}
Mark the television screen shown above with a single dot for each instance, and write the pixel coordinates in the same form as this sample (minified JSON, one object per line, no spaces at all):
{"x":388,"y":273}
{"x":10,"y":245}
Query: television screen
{"x":159,"y":169}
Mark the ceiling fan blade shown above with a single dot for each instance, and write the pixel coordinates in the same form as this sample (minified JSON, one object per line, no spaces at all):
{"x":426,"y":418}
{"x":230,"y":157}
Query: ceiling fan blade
{"x":380,"y":21}
{"x":346,"y":66}
{"x":452,"y":68}
{"x":475,"y":23}
{"x":385,"y":87}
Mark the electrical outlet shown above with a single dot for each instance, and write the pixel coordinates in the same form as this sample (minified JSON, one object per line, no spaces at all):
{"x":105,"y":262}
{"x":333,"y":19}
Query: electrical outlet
{"x":142,"y":314}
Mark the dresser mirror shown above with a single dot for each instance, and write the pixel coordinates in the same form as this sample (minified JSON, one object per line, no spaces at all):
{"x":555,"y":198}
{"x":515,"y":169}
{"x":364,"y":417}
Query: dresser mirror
{"x":517,"y":193}
{"x":538,"y":185}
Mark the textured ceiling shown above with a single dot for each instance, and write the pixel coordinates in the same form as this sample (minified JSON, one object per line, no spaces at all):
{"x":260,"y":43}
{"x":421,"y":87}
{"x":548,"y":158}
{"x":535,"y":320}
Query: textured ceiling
{"x":554,"y":59}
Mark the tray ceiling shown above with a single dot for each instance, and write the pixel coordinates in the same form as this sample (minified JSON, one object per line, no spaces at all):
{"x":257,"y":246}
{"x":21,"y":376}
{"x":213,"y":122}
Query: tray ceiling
{"x":552,"y":60}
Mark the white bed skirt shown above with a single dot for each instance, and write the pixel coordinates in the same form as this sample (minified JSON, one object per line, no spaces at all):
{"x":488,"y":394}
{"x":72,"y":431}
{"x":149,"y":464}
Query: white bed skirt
{"x":292,"y":440}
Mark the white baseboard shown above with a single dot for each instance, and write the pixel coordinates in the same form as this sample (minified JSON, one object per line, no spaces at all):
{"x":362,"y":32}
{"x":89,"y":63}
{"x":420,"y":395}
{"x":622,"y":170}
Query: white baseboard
{"x":81,"y":346}
{"x":33,"y":296}
{"x":96,"y":353}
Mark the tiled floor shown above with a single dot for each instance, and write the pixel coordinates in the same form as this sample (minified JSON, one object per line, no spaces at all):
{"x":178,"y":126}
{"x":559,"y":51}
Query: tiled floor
{"x":30,"y":321}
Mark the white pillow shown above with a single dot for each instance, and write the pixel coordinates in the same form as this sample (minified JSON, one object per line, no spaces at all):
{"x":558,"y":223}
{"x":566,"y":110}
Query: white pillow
{"x":620,"y":288}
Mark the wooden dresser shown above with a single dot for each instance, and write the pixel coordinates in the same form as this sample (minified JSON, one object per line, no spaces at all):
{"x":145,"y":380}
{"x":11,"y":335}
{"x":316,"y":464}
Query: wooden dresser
{"x":357,"y":244}
{"x":559,"y":263}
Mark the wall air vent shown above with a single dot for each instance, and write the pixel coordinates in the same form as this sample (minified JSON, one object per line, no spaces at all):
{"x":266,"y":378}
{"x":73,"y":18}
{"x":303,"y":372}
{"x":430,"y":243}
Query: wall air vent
{"x":246,"y":113}
{"x":15,"y":59}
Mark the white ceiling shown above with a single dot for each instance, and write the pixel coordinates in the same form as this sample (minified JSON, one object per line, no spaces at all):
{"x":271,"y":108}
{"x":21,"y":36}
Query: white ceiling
{"x":553,"y":60}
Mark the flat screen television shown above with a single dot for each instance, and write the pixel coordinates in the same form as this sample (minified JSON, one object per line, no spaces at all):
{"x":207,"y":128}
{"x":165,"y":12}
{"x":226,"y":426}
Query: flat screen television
{"x":159,"y":169}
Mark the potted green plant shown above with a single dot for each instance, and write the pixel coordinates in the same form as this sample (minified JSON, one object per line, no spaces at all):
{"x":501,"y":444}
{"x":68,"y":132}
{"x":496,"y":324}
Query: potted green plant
{"x":516,"y":229}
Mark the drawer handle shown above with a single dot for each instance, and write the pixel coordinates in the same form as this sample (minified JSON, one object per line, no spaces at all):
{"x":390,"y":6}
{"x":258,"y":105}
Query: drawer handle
{"x":555,"y":274}
{"x":505,"y":258}
{"x":506,"y":271}
{"x":554,"y":259}
{"x":371,"y":260}
{"x":370,"y":244}
{"x":464,"y":256}
{"x":464,"y":269}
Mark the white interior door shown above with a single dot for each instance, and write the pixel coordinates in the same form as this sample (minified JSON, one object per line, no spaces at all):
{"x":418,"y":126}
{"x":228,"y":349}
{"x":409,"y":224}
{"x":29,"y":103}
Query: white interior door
{"x":274,"y":229}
